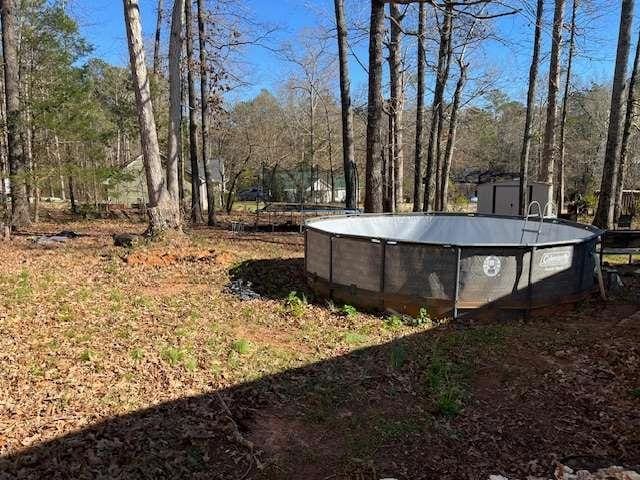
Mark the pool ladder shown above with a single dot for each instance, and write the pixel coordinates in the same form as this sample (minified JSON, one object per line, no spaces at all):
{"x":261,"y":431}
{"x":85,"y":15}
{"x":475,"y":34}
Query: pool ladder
{"x":540,"y":215}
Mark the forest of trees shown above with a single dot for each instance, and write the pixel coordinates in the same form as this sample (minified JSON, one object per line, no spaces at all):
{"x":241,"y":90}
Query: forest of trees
{"x":431,"y":111}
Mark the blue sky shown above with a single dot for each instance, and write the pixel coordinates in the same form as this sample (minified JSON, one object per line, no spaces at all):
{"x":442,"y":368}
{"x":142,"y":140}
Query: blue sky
{"x":101,"y":22}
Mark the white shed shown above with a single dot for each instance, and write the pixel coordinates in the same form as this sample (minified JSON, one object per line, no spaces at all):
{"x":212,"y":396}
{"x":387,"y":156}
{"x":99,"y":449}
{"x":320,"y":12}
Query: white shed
{"x":501,"y":198}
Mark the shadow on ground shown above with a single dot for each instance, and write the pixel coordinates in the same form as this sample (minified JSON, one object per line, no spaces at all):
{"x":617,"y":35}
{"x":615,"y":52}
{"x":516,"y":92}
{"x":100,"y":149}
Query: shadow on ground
{"x":445,"y":403}
{"x":273,"y":278}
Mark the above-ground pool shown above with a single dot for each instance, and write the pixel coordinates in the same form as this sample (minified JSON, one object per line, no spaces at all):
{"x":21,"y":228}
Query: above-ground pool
{"x":449,"y":262}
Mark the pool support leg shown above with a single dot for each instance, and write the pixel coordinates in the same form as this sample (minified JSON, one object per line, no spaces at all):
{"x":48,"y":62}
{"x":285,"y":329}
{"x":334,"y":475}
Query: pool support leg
{"x":456,"y":290}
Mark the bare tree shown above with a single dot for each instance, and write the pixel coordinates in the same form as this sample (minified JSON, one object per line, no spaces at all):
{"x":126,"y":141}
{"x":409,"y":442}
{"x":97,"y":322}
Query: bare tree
{"x":348,"y":150}
{"x":17,"y":167}
{"x":563,"y":116}
{"x":156,"y":43}
{"x":531,"y":101}
{"x":549,"y":142}
{"x":422,"y":62}
{"x":175,"y":100}
{"x":163,"y":210}
{"x":606,"y":202}
{"x":373,"y":166}
{"x":432,"y":177}
{"x":396,"y":73}
{"x":626,"y":132}
{"x":453,"y":129}
{"x":196,"y":205}
{"x":204,"y":113}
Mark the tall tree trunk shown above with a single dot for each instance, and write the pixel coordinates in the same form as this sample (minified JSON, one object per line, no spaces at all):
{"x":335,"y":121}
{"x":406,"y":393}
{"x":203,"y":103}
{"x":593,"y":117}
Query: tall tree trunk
{"x":438,"y":97}
{"x":441,"y":121}
{"x":163,"y":210}
{"x":348,"y":151}
{"x":175,"y":101}
{"x":204,"y":105}
{"x":72,"y":195}
{"x":388,"y":155}
{"x":606,"y":202}
{"x":563,"y":116}
{"x":451,"y":136}
{"x":549,"y":143}
{"x":58,"y":157}
{"x":4,"y":167}
{"x":422,"y":62}
{"x":17,"y":168}
{"x":531,"y":107}
{"x":196,"y":202}
{"x":626,"y":131}
{"x":156,"y":43}
{"x":373,"y":166}
{"x":397,"y":102}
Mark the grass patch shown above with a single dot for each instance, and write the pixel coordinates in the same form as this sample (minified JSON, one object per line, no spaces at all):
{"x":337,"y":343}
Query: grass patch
{"x":137,"y":354}
{"x":173,"y":355}
{"x":241,"y":347}
{"x":396,"y":429}
{"x":88,"y":356}
{"x":354,"y":338}
{"x":450,"y":368}
{"x":23,"y":289}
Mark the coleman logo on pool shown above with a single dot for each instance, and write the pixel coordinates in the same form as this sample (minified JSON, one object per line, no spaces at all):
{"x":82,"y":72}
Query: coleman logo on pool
{"x":556,"y":260}
{"x":491,"y":266}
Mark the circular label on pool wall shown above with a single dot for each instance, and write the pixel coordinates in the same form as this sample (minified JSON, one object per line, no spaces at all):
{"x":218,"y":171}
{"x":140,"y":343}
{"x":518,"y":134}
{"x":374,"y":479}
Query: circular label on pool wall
{"x":491,"y":266}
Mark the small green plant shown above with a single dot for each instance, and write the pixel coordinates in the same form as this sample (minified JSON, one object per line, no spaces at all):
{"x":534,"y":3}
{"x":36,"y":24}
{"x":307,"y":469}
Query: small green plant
{"x":88,"y":356}
{"x":296,"y":304}
{"x":635,"y":392}
{"x":241,"y":346}
{"x":423,"y":318}
{"x":349,"y":311}
{"x":393,"y":322}
{"x":398,"y":356}
{"x":172,"y":355}
{"x":137,"y":354}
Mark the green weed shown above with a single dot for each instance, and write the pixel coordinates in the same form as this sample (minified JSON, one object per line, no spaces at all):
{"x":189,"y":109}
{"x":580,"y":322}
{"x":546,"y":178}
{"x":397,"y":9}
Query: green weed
{"x":296,"y":304}
{"x":349,"y":311}
{"x":241,"y":347}
{"x":173,"y":355}
{"x":23,"y":289}
{"x":397,"y":356}
{"x":88,"y":356}
{"x":137,"y":354}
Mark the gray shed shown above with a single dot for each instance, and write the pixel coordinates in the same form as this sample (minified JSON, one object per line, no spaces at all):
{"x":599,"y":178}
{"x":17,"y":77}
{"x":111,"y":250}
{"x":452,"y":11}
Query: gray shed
{"x":501,"y":198}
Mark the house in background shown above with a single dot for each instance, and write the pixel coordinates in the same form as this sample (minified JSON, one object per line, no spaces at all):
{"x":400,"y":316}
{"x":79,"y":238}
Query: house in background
{"x":288,"y":185}
{"x":129,"y":187}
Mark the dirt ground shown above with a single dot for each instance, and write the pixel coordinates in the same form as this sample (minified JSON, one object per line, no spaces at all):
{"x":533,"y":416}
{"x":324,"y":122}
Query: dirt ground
{"x":141,"y":363}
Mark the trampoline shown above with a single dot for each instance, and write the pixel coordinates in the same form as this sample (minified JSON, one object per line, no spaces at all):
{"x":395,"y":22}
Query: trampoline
{"x":448,"y":263}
